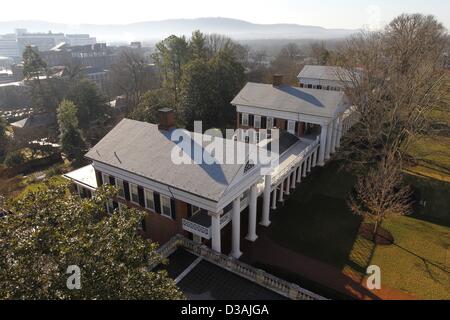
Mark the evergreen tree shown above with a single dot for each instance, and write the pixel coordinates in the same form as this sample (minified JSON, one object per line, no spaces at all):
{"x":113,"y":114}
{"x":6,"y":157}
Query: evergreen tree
{"x":71,"y":139}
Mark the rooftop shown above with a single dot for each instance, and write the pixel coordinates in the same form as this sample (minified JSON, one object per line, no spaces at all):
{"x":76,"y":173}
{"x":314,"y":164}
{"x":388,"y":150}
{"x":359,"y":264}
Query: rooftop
{"x":141,"y":148}
{"x":325,"y":73}
{"x":292,"y":99}
{"x":84,"y":176}
{"x":35,"y":121}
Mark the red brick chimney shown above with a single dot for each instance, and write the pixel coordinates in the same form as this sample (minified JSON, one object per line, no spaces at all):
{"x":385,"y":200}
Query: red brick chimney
{"x":166,"y":119}
{"x":277,"y":80}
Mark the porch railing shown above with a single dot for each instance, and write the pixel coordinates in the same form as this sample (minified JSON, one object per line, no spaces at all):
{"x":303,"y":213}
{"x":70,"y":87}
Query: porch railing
{"x":262,"y":278}
{"x":309,"y":150}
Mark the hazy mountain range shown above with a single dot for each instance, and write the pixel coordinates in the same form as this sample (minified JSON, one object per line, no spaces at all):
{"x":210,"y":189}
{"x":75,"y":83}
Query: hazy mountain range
{"x":155,"y":30}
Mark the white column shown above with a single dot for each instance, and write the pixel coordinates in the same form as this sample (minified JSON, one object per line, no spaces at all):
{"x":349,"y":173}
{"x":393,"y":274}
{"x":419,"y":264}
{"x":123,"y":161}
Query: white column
{"x":334,"y":135}
{"x":314,"y":159}
{"x":294,"y":179}
{"x":299,"y":173}
{"x":280,"y":195}
{"x":274,"y":198}
{"x":215,"y":232}
{"x":323,"y":145}
{"x":305,"y":165}
{"x":251,"y":236}
{"x":329,"y":137}
{"x":265,"y":221}
{"x":236,"y":231}
{"x":288,"y":185}
{"x":339,"y":135}
{"x":309,"y":162}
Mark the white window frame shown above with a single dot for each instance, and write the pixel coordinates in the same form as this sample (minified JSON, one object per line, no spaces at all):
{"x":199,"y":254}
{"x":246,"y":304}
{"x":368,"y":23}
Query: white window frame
{"x":146,"y":199}
{"x":105,"y":178}
{"x":118,"y":183}
{"x":270,"y":123}
{"x":131,"y":193}
{"x":162,"y":198}
{"x":245,"y":120}
{"x":110,"y":206}
{"x":257,"y":122}
{"x":291,"y":126}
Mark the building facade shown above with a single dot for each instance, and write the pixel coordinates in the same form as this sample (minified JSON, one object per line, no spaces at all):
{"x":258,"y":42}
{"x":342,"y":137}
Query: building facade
{"x":200,"y":200}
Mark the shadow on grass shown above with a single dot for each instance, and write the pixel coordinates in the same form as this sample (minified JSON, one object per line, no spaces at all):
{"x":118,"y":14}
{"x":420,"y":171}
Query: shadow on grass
{"x":321,"y":228}
{"x":432,"y":198}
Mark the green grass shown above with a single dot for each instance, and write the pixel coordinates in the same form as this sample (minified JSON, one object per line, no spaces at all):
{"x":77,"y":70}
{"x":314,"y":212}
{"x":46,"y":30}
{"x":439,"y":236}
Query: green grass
{"x":432,"y":154}
{"x":316,"y":222}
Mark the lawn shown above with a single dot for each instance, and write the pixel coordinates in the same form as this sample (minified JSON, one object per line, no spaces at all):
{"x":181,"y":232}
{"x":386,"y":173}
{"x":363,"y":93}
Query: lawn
{"x":317,"y":223}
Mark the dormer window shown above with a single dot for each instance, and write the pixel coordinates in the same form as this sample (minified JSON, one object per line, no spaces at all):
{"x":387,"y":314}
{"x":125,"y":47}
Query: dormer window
{"x":249,"y":166}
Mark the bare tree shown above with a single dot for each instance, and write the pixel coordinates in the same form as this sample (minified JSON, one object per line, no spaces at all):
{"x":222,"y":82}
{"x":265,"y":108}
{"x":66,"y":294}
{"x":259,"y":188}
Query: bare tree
{"x":380,"y":194}
{"x":395,"y":81}
{"x":131,"y":75}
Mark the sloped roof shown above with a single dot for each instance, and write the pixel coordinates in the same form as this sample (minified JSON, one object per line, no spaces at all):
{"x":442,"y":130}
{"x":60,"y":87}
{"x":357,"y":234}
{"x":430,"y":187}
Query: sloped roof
{"x":292,"y":99}
{"x":143,"y":149}
{"x":324,"y":73}
{"x":84,"y":175}
{"x":35,"y":121}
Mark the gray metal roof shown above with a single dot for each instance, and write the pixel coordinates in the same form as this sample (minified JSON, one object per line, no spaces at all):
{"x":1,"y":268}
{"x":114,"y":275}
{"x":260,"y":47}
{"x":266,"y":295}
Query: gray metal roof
{"x":143,"y":149}
{"x":35,"y":121}
{"x":292,"y":99}
{"x":324,"y":73}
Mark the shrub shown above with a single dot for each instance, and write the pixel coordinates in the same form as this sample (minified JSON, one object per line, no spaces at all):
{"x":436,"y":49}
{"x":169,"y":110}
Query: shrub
{"x":14,"y":159}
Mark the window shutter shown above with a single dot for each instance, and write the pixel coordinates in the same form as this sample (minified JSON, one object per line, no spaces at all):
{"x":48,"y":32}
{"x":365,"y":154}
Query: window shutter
{"x":240,"y":118}
{"x":286,"y":124}
{"x":115,"y":205}
{"x":173,"y":208}
{"x":189,"y":209}
{"x":263,"y":122}
{"x":296,"y":127}
{"x":144,"y":225}
{"x":112,"y":180}
{"x":141,"y":197}
{"x":126,"y":189}
{"x":157,"y":202}
{"x":99,"y":177}
{"x":251,"y":120}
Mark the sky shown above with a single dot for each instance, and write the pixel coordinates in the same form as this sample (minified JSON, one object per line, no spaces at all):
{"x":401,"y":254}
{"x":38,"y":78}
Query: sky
{"x":326,"y":13}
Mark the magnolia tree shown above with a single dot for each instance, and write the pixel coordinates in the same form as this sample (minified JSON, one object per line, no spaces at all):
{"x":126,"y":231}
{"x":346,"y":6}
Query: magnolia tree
{"x":50,"y":230}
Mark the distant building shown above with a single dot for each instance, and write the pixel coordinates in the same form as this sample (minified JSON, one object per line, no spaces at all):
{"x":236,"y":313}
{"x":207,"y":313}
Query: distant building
{"x":80,"y":40}
{"x":324,"y":77}
{"x":42,"y":41}
{"x":6,"y":76}
{"x":12,"y":45}
{"x":136,"y":45}
{"x":6,"y":62}
{"x":35,"y":121}
{"x":99,"y":76}
{"x":9,"y":46}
